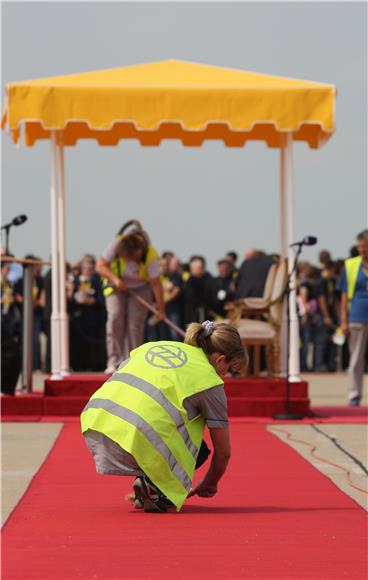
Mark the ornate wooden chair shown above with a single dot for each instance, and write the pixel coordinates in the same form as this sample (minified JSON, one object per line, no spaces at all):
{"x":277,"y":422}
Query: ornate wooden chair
{"x":259,"y":320}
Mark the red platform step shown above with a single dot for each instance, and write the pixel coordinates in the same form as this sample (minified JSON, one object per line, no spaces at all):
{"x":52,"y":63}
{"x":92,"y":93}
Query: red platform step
{"x":246,"y":397}
{"x":81,"y":385}
{"x":265,"y":407}
{"x":87,"y":384}
{"x":24,"y":405}
{"x":263,"y":388}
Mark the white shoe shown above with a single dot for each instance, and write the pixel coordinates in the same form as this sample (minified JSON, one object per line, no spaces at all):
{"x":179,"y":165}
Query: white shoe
{"x":110,"y":370}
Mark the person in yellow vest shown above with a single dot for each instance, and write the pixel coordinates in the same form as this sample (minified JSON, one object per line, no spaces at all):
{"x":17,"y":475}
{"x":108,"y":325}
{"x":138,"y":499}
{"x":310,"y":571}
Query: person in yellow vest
{"x":353,"y":285}
{"x":148,"y":419}
{"x":129,"y":263}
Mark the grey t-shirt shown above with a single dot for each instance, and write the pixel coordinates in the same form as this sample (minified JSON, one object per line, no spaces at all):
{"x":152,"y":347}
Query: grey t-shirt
{"x":211,"y":404}
{"x":111,"y":459}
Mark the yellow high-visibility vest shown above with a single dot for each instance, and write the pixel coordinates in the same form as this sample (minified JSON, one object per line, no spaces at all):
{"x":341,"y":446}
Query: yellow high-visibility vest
{"x":141,"y":408}
{"x":118,"y":267}
{"x":352,"y":266}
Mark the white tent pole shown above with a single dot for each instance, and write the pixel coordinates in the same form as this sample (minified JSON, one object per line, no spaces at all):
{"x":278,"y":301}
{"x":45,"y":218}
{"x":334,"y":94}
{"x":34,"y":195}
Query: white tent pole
{"x":64,"y":319}
{"x":283,"y":247}
{"x":294,"y":366}
{"x":55,"y":277}
{"x":283,"y":252}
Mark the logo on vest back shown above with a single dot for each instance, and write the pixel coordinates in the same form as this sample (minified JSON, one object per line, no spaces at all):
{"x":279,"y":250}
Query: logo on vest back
{"x":166,"y":356}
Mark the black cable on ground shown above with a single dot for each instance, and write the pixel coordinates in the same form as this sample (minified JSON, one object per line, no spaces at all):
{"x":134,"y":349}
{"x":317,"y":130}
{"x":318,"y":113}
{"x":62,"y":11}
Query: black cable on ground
{"x":312,"y":449}
{"x":335,"y":442}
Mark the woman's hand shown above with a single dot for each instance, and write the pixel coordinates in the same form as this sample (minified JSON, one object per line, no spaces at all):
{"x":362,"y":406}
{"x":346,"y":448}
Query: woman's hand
{"x":328,"y":321}
{"x":161,"y":314}
{"x":345,"y":328}
{"x":203,"y":491}
{"x":103,"y":269}
{"x":221,"y":455}
{"x":118,"y":284}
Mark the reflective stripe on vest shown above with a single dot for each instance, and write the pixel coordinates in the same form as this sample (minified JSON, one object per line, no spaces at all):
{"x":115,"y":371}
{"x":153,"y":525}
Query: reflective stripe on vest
{"x":352,"y":266}
{"x":160,"y":398}
{"x":146,"y":429}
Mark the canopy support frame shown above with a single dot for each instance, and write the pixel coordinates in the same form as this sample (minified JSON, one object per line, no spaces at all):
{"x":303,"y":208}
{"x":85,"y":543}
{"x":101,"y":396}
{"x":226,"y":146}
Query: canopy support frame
{"x":283,"y":253}
{"x":288,"y":180}
{"x":59,"y":317}
{"x":64,"y":319}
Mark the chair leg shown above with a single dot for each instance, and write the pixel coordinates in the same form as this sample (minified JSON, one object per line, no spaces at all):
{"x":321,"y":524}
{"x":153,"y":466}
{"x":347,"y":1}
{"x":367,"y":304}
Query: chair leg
{"x":245,"y":372}
{"x":276,"y":358}
{"x":257,"y":360}
{"x":269,"y":360}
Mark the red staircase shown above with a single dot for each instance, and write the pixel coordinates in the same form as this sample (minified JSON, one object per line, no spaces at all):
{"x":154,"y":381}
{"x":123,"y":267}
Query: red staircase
{"x":246,"y":398}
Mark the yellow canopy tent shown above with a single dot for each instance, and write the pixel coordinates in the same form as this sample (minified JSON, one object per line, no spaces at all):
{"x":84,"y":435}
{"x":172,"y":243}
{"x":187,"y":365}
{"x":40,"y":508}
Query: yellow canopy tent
{"x":165,"y":100}
{"x":171,"y":99}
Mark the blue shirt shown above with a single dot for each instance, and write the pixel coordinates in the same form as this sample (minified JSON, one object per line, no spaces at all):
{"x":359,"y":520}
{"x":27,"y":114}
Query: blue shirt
{"x":359,"y":304}
{"x":15,"y":272}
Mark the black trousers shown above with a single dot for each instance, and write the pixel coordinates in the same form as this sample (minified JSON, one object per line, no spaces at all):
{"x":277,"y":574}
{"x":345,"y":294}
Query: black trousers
{"x":204,"y":452}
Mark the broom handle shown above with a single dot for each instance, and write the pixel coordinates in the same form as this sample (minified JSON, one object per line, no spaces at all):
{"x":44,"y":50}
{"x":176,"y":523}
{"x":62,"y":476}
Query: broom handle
{"x":149,"y":306}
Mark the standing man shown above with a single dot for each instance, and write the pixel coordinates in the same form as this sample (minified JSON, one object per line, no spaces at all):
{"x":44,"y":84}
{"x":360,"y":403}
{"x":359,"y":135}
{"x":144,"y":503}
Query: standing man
{"x":224,"y":285}
{"x":353,"y":285}
{"x":38,"y":285}
{"x":86,"y":303}
{"x":199,"y":292}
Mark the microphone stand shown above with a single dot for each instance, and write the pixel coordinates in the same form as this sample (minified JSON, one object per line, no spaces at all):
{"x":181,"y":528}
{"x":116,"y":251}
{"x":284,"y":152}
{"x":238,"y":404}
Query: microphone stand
{"x":7,"y":228}
{"x":17,"y":221}
{"x":288,"y":415}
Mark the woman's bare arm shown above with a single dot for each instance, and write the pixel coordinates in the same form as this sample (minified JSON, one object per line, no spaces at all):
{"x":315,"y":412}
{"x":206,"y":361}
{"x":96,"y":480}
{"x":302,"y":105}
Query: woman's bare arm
{"x":102,"y":268}
{"x":220,"y":459}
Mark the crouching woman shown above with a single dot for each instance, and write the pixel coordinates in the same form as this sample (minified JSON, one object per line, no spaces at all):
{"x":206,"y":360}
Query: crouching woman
{"x":148,"y":419}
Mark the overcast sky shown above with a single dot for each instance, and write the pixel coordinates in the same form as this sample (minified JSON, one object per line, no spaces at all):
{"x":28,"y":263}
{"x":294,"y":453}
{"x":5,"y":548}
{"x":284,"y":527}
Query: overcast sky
{"x":203,"y":200}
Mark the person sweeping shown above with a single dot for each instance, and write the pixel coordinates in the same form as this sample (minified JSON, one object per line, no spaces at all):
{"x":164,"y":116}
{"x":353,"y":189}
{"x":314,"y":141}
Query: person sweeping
{"x":148,"y":419}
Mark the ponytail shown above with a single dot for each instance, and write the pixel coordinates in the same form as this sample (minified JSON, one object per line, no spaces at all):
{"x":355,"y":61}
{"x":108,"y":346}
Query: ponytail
{"x":218,"y":337}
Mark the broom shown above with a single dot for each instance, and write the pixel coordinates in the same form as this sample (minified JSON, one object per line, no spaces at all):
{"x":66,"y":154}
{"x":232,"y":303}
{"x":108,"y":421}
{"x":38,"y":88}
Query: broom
{"x":150,"y":307}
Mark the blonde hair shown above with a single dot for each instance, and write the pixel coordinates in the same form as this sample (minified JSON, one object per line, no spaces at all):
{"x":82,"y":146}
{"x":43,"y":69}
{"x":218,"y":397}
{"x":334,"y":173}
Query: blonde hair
{"x":223,"y":339}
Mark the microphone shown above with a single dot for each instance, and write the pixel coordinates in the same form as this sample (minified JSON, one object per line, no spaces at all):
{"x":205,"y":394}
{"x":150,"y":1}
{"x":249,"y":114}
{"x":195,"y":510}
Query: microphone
{"x":307,"y":241}
{"x":17,"y":221}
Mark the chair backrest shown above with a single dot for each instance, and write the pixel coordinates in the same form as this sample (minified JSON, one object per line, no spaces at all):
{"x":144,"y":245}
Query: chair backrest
{"x":267,"y":292}
{"x":280,"y":280}
{"x":278,"y":290}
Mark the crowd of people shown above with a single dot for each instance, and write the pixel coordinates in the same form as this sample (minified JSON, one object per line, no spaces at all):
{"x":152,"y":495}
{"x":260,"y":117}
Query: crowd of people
{"x":107,"y":321}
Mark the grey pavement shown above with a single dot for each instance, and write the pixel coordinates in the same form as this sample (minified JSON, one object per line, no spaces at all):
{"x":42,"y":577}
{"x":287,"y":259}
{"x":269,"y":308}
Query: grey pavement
{"x":329,"y":389}
{"x":352,"y":442}
{"x":26,"y":445}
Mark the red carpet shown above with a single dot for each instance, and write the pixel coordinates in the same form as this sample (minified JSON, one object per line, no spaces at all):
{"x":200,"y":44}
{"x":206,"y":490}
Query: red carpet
{"x":350,"y":414}
{"x":338,"y":415}
{"x":275,"y":517}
